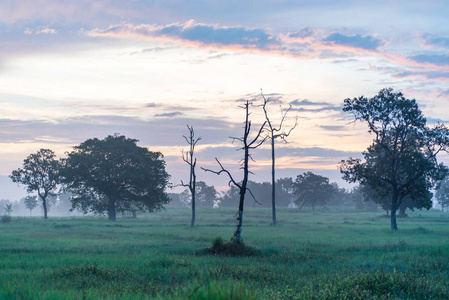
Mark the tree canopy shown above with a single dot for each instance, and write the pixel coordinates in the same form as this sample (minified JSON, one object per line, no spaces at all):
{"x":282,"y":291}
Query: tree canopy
{"x":402,"y":160}
{"x":311,"y":190}
{"x":114,"y":174}
{"x":40,"y":173}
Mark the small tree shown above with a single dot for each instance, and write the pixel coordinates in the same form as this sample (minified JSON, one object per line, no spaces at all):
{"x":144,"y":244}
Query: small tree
{"x":114,"y":174}
{"x":442,"y":194}
{"x":311,"y":190}
{"x":8,"y":209}
{"x":188,"y":157}
{"x":40,"y":173}
{"x":30,"y":202}
{"x":248,"y":144}
{"x":275,"y":133}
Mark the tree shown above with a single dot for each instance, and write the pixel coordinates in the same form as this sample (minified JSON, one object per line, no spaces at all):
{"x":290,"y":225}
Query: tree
{"x":114,"y":174}
{"x":284,"y":192}
{"x":8,"y":209}
{"x":206,"y":194}
{"x":40,"y":173}
{"x":442,"y":194}
{"x":188,"y":157}
{"x":248,"y":144}
{"x":312,"y":190}
{"x":275,"y":133}
{"x":402,"y":160}
{"x":30,"y":202}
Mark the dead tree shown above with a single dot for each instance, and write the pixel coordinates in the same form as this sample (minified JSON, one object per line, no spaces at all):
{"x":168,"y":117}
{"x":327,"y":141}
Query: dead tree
{"x":274,"y":133}
{"x":247,"y":146}
{"x":188,"y":157}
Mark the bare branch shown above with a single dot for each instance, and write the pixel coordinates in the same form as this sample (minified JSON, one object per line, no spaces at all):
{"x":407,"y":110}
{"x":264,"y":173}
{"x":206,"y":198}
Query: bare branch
{"x":223,"y":170}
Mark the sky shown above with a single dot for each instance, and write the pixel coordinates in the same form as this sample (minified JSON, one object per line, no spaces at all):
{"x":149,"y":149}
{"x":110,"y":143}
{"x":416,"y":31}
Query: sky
{"x":73,"y":70}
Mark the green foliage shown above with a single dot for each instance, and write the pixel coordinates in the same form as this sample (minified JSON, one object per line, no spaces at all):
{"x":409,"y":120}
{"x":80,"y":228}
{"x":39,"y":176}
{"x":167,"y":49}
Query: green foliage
{"x":401,"y":162}
{"x":114,"y":174}
{"x":40,"y":173}
{"x":311,"y":190}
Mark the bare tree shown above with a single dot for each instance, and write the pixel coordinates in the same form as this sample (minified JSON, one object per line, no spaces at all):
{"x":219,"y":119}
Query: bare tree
{"x":275,"y":133}
{"x":247,"y":146}
{"x":188,"y":157}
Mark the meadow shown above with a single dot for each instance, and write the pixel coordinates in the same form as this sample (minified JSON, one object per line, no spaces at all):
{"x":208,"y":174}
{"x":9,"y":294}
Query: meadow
{"x":308,"y":255}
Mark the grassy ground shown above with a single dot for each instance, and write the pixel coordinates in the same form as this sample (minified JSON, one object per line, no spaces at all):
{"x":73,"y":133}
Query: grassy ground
{"x":321,"y":255}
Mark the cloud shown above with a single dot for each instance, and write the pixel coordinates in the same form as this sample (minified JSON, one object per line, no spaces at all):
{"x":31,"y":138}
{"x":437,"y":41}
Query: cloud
{"x":435,"y":59}
{"x":355,"y":41}
{"x":321,"y":106}
{"x":430,"y":75}
{"x":433,"y":40}
{"x":307,"y":102}
{"x":195,"y":32}
{"x":332,"y":128}
{"x":169,"y":115}
{"x":40,"y":30}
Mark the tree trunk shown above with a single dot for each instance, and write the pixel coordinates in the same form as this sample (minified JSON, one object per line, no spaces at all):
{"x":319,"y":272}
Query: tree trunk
{"x":111,"y":210}
{"x":273,"y":181}
{"x":192,"y":187}
{"x":192,"y":223}
{"x":44,"y":204}
{"x":394,"y":207}
{"x":134,"y":214}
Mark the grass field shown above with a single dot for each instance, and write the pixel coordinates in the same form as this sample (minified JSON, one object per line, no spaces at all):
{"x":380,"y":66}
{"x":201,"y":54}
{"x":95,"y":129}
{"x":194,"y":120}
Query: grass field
{"x":308,"y":255}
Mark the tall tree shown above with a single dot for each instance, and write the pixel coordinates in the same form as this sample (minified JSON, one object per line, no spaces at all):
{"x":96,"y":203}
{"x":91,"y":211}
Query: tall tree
{"x":30,"y":202}
{"x":402,"y":160}
{"x":311,"y":190}
{"x":40,"y":173}
{"x":189,"y":158}
{"x":114,"y":174}
{"x":275,"y":133}
{"x":248,"y":144}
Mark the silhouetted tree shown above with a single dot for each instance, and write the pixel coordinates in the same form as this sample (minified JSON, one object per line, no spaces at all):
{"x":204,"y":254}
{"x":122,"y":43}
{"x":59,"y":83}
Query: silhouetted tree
{"x":114,"y":174}
{"x":248,"y":144}
{"x":188,"y":157}
{"x":30,"y":202}
{"x":311,"y":190}
{"x":8,"y":209}
{"x":442,"y":194}
{"x":40,"y":173}
{"x":275,"y":133}
{"x":284,"y":192}
{"x":401,"y":161}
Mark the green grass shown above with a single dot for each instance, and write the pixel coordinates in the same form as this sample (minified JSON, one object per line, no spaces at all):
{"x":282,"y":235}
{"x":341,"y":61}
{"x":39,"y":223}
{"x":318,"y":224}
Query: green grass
{"x":308,"y":255}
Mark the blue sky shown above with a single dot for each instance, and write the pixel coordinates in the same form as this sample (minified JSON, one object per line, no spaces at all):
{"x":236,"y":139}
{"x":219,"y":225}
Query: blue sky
{"x":73,"y":70}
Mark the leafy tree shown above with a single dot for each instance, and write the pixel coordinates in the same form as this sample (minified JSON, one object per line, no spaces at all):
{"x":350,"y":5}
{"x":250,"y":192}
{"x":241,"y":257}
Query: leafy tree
{"x":30,"y":202}
{"x":284,"y":192}
{"x":275,"y":133}
{"x":206,"y":195}
{"x":189,"y":158}
{"x":247,"y":145}
{"x":40,"y":173}
{"x":442,"y":194}
{"x":8,"y":209}
{"x":401,"y":161}
{"x":311,"y":190}
{"x":114,"y":174}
